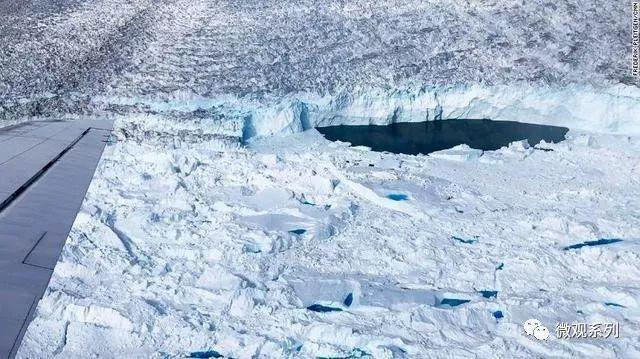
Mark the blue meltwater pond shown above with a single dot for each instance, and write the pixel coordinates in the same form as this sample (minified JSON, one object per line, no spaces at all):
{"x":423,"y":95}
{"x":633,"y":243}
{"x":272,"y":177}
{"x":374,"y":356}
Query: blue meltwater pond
{"x":430,"y":136}
{"x":398,"y":197}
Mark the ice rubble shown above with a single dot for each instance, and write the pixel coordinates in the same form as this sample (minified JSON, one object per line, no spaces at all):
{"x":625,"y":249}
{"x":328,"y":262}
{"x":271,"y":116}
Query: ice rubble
{"x":189,"y":246}
{"x":190,"y":241}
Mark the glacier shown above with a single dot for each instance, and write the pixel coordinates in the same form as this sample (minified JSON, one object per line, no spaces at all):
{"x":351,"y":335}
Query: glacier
{"x":608,"y":110}
{"x":218,"y":215}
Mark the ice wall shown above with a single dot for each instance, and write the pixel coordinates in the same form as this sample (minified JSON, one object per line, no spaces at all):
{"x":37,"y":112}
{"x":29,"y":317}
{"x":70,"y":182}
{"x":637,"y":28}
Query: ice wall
{"x":612,"y":110}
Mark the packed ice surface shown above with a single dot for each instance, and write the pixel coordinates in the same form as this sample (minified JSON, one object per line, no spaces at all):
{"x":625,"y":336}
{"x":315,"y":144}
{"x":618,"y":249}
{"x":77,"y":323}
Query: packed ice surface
{"x":379,"y":60}
{"x":216,"y":226}
{"x":195,"y":245}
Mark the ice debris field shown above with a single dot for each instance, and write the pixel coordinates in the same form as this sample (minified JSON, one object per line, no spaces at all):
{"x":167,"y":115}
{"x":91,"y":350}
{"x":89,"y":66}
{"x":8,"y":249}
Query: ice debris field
{"x":221,"y":223}
{"x":298,"y":246}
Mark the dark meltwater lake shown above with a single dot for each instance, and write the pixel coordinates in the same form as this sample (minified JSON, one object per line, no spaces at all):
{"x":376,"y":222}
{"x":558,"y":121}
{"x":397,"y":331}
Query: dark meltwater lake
{"x":430,"y":136}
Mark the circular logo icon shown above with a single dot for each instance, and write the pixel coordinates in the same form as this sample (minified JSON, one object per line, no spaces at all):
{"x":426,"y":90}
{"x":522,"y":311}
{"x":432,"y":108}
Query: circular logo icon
{"x":534,"y":327}
{"x":541,"y":333}
{"x":530,"y":325}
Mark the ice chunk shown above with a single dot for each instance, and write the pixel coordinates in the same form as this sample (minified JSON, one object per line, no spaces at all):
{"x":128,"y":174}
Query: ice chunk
{"x":217,"y":278}
{"x":459,"y":153}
